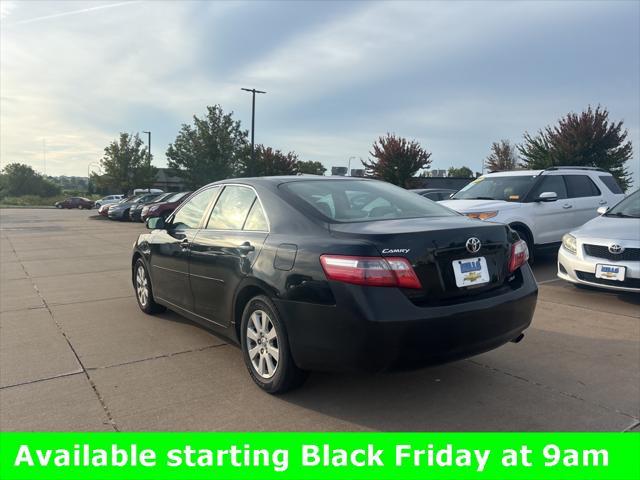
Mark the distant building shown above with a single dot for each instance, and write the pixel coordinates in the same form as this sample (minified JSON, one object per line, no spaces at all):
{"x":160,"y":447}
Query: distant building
{"x":166,"y":181}
{"x":340,"y":171}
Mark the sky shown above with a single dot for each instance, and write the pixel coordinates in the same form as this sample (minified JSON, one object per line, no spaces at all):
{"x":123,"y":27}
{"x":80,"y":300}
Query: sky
{"x":455,"y":76}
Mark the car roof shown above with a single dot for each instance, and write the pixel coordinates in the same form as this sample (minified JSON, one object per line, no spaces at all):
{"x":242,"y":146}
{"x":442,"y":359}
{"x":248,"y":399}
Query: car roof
{"x":514,"y":173}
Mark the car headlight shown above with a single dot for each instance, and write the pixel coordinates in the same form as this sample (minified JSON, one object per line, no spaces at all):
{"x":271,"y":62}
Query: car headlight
{"x":482,"y":215}
{"x":569,"y":243}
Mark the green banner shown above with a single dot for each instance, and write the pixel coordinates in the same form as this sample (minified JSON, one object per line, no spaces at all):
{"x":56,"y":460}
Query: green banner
{"x":299,"y":456}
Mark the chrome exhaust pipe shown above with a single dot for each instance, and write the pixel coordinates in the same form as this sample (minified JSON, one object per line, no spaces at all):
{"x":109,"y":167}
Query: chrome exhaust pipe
{"x":518,"y":338}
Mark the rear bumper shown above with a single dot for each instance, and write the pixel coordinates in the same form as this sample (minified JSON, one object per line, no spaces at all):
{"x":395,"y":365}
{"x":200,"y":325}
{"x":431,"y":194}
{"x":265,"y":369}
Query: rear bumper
{"x":386,"y":331}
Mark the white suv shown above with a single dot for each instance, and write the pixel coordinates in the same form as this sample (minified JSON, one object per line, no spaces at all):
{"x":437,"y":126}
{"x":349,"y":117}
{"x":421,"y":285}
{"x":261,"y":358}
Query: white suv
{"x":541,"y":205}
{"x":109,"y":200}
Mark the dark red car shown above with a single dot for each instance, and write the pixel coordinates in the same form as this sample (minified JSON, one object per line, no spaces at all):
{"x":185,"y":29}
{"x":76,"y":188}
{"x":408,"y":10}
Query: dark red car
{"x":75,"y":202}
{"x":164,"y":209}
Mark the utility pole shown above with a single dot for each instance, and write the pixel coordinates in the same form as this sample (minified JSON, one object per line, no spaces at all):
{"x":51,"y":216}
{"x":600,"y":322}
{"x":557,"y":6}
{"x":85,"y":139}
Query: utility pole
{"x":44,"y":155}
{"x":253,"y":118}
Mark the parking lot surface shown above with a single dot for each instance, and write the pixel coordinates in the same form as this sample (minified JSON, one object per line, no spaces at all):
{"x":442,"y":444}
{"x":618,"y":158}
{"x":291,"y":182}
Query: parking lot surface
{"x":77,"y":354}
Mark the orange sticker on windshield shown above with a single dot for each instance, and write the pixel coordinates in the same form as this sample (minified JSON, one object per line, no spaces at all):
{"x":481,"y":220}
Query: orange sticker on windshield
{"x":514,"y":197}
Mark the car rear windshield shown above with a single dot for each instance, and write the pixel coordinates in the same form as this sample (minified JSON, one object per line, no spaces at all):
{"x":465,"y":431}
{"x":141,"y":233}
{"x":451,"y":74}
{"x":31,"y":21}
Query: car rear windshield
{"x":363,"y":200}
{"x":511,"y":188}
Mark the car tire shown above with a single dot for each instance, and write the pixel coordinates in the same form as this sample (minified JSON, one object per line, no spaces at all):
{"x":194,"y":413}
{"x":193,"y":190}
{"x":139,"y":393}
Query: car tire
{"x":262,"y":326}
{"x":59,"y":207}
{"x":143,"y":290}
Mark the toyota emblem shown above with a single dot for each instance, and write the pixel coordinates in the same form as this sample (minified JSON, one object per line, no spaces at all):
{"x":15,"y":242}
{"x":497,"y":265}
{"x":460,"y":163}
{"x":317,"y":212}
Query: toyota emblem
{"x":473,"y":245}
{"x":616,"y":249}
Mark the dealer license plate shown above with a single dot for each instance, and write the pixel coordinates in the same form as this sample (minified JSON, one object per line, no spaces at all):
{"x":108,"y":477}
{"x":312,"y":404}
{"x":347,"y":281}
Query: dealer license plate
{"x":471,"y":271}
{"x":610,"y":272}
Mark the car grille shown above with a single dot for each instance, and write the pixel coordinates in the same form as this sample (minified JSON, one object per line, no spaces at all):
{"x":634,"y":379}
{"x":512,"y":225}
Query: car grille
{"x":601,"y":251}
{"x":591,"y":277}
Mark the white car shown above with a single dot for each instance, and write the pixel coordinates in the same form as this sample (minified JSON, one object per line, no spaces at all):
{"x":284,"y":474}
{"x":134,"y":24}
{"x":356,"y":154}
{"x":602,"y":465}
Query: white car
{"x":541,"y":205}
{"x":108,"y":200}
{"x":605,"y":252}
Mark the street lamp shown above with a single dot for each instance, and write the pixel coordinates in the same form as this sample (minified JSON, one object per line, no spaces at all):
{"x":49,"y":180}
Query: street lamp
{"x":253,"y":116}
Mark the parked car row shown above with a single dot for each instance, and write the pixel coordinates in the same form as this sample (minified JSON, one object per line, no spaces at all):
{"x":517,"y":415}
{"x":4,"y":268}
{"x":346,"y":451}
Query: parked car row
{"x":136,"y":207}
{"x":558,"y":210}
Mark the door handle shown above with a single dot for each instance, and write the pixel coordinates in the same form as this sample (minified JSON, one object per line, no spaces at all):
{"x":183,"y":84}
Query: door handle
{"x":602,"y":202}
{"x":246,"y":247}
{"x":567,"y":205}
{"x":184,"y":244}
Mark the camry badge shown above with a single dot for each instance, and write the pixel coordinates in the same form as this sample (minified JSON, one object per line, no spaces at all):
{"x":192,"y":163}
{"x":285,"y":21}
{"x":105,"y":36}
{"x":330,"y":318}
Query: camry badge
{"x":616,"y":249}
{"x":473,"y":245}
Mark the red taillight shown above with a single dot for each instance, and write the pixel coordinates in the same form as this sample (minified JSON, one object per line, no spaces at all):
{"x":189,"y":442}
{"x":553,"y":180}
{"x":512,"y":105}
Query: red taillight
{"x":371,"y":271}
{"x":519,"y":255}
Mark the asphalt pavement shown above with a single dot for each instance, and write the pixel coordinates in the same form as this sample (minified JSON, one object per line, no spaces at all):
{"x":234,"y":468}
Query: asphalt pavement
{"x":77,"y":354}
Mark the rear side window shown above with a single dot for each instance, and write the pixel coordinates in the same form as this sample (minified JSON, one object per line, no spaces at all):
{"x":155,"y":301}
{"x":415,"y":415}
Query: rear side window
{"x":256,"y":220}
{"x":581,"y":186}
{"x":232,"y":208}
{"x":551,"y":183}
{"x":611,"y":183}
{"x":191,"y":212}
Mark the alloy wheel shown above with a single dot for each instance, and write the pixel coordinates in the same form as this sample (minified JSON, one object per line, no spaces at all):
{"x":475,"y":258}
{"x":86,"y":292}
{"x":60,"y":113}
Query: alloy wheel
{"x":142,"y":286}
{"x":262,"y":344}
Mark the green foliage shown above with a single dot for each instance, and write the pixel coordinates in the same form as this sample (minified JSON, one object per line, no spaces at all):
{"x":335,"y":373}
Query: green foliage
{"x":310,"y":167}
{"x":32,"y":200}
{"x":272,"y":162}
{"x":213,"y":148}
{"x":126,"y":165}
{"x":464,"y":172}
{"x":585,"y":139}
{"x":503,"y":157}
{"x":396,"y":159}
{"x":20,"y":179}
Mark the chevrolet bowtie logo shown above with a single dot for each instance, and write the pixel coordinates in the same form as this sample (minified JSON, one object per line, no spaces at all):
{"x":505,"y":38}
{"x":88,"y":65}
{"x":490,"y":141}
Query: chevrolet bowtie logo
{"x":472,"y":277}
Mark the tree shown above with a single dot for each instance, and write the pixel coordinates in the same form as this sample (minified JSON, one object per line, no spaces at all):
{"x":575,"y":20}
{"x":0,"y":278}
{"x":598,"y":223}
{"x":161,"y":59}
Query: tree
{"x":213,"y":148}
{"x":503,"y":156}
{"x":20,"y":179}
{"x":587,"y":139}
{"x":396,"y":159}
{"x":463,"y":172}
{"x":311,"y":168}
{"x":126,"y":165}
{"x":272,"y":162}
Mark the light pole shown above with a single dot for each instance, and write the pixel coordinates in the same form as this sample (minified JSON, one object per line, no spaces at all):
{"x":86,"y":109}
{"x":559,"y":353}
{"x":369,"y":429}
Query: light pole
{"x":253,"y":117}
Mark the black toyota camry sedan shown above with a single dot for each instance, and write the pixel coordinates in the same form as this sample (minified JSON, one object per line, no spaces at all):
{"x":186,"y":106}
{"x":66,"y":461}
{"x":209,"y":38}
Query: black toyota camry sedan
{"x":323,"y":273}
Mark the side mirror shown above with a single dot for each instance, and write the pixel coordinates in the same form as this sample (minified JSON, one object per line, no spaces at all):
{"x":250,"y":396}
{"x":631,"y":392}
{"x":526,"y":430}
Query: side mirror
{"x":155,"y":223}
{"x":602,"y":210}
{"x":547,"y":197}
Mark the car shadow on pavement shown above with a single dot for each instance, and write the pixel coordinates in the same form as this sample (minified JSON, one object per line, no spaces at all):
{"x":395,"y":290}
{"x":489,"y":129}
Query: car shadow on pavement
{"x":504,"y":390}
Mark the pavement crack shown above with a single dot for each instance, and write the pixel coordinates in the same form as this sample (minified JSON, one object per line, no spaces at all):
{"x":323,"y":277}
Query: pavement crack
{"x":632,"y":427}
{"x":166,"y":355}
{"x":62,"y":375}
{"x":73,"y":350}
{"x":552,"y":389}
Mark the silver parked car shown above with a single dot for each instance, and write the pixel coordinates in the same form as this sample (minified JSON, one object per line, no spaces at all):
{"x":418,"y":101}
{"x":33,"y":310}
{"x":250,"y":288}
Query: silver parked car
{"x":109,"y":200}
{"x":605,"y":251}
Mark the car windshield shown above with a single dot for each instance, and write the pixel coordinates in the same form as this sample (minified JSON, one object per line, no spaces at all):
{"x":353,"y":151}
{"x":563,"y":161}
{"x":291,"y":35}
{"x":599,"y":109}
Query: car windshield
{"x":176,"y":196}
{"x":363,"y":200}
{"x":627,"y":208}
{"x":511,"y":188}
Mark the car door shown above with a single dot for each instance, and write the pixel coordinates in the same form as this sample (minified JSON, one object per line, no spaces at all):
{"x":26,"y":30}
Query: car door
{"x":550,"y":218}
{"x":586,"y":198}
{"x":170,"y":249}
{"x":224,"y":251}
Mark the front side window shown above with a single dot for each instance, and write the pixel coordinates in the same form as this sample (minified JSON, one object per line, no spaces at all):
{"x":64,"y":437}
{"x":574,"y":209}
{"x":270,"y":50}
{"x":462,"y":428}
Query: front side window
{"x":627,"y":208}
{"x":510,"y":188}
{"x":232,"y":208}
{"x":361,"y":200}
{"x":581,"y":186}
{"x":190,"y":213}
{"x":551,"y":183}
